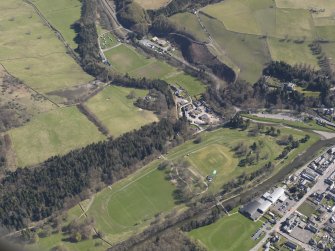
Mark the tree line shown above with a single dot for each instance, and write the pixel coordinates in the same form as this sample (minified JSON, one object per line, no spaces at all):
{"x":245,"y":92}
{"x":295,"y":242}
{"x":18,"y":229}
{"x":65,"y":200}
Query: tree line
{"x":32,"y":194}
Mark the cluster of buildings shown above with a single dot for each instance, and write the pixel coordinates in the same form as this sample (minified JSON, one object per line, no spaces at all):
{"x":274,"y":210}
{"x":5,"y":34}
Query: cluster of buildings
{"x":256,"y":208}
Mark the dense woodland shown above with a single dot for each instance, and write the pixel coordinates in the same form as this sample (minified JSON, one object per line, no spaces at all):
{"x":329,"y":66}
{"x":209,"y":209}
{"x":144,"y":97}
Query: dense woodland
{"x":32,"y":194}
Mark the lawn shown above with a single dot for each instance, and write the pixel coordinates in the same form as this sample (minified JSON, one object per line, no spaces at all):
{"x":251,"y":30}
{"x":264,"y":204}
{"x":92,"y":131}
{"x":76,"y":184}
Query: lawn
{"x":306,"y":209}
{"x":117,"y":112}
{"x":52,"y":133}
{"x":132,"y":203}
{"x":249,"y":52}
{"x":192,"y":85}
{"x":62,"y":14}
{"x":45,"y":66}
{"x":291,"y":52}
{"x":189,"y":23}
{"x":152,"y":4}
{"x":229,"y":233}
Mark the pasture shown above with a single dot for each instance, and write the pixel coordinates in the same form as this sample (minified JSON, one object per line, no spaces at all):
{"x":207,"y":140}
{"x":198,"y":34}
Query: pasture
{"x":249,"y":52}
{"x":45,"y":66}
{"x":52,"y":133}
{"x":192,"y":85}
{"x":286,"y":26}
{"x":62,"y":14}
{"x":189,"y":23}
{"x":152,"y":4}
{"x":126,"y":59}
{"x":228,"y":233}
{"x":117,"y":112}
{"x":291,"y":52}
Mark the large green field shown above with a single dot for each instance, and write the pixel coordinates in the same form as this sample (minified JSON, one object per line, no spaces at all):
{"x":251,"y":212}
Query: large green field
{"x":126,"y":59}
{"x":52,"y":133}
{"x":131,"y":204}
{"x":291,"y":52}
{"x":249,"y":52}
{"x":253,"y":32}
{"x":229,"y":233}
{"x":31,"y":51}
{"x":62,"y":14}
{"x":189,"y":22}
{"x":117,"y":112}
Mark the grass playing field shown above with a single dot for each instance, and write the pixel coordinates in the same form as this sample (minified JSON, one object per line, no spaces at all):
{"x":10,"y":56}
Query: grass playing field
{"x":62,"y":14}
{"x":52,"y":133}
{"x":152,"y":4}
{"x":132,"y":203}
{"x":117,"y":112}
{"x":45,"y":66}
{"x":229,"y":233}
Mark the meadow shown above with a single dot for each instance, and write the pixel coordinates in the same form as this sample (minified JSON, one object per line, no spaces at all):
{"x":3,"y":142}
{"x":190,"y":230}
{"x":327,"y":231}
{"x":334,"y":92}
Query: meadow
{"x":117,"y":112}
{"x":62,"y":14}
{"x":45,"y":66}
{"x":249,"y":52}
{"x":52,"y":133}
{"x":152,"y":4}
{"x":189,"y":23}
{"x":126,"y":59}
{"x":228,"y":233}
{"x":253,"y":32}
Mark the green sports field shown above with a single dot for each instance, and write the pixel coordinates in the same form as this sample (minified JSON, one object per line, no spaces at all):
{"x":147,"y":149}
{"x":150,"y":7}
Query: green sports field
{"x":131,"y":204}
{"x":117,"y":112}
{"x":229,"y":233}
{"x":45,"y":66}
{"x":52,"y":133}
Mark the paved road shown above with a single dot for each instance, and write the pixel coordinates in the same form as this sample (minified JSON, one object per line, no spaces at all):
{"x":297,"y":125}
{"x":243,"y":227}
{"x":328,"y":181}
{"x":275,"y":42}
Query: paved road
{"x":318,"y":186}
